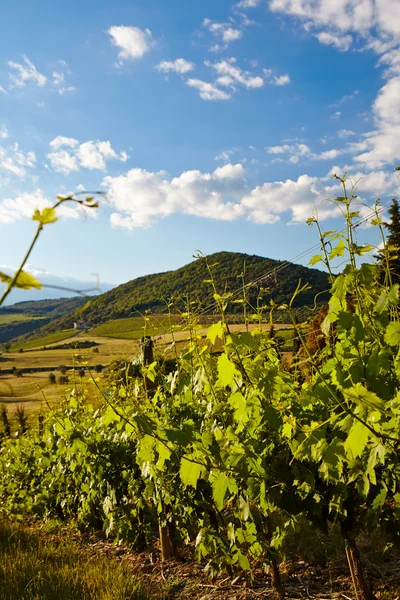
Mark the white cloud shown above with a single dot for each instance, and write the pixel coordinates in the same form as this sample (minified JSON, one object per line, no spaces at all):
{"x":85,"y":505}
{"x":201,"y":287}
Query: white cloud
{"x":3,"y":132}
{"x":60,"y":141}
{"x":224,"y":156}
{"x":88,"y":155}
{"x":226,"y":32}
{"x":59,"y":79}
{"x":344,"y":99}
{"x":299,"y":151}
{"x":23,"y":206}
{"x":180,"y":65}
{"x":382,"y":145}
{"x":2,"y":90}
{"x":207,"y":90}
{"x":345,"y":133}
{"x":281,"y":80}
{"x":248,"y":3}
{"x":132,"y":41}
{"x":340,"y":42}
{"x":230,"y":75}
{"x":25,"y":72}
{"x":336,"y":115}
{"x":345,"y":15}
{"x":13,"y":160}
{"x":140,"y":198}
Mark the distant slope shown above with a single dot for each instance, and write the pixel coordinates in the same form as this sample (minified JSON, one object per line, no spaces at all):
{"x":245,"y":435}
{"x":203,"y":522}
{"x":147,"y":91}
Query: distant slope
{"x":151,"y":291}
{"x":45,"y":308}
{"x":25,"y":318}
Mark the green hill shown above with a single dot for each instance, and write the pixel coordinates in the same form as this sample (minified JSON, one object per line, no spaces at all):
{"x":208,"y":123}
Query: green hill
{"x":152,"y":291}
{"x":25,"y":318}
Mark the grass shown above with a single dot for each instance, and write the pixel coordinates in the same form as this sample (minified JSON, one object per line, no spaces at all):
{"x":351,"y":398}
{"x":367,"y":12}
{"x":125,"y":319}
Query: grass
{"x":52,"y":338}
{"x":6,"y":319}
{"x":39,"y":566}
{"x":134,"y":327}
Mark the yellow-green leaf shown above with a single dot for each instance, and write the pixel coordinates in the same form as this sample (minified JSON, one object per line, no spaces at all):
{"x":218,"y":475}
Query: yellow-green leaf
{"x":24,"y":281}
{"x":48,"y":215}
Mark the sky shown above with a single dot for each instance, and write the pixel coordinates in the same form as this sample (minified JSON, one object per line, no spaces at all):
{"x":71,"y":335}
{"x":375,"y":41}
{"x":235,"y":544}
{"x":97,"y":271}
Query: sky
{"x":210,"y":126}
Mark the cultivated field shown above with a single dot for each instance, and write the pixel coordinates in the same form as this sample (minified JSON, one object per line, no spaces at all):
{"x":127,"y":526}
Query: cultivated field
{"x":32,"y":390}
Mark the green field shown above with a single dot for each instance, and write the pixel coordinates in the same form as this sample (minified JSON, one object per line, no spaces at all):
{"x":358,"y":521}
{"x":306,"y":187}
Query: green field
{"x":135,"y":327}
{"x":6,"y":319}
{"x":52,"y":338}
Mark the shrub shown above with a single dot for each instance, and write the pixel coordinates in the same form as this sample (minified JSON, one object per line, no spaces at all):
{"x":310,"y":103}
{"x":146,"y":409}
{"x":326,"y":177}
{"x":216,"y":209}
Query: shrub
{"x":52,"y":378}
{"x":99,"y":368}
{"x":62,"y":369}
{"x":63,"y":380}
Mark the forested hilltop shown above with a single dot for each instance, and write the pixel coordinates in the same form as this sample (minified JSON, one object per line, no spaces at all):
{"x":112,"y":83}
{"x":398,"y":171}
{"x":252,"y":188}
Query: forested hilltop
{"x":152,"y":291}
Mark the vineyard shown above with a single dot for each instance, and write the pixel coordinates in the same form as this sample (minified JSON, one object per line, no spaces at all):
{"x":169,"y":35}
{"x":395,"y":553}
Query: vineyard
{"x":223,"y":453}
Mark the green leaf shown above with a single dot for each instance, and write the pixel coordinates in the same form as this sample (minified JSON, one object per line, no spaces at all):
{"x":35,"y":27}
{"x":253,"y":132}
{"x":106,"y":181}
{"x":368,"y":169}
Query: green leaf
{"x":392,"y":334}
{"x":24,"y":281}
{"x":190,"y":472}
{"x":226,"y":371}
{"x":360,"y":395}
{"x":219,"y":484}
{"x":315,"y":259}
{"x":48,"y":215}
{"x":356,"y":440}
{"x":215,"y":331}
{"x":338,"y":250}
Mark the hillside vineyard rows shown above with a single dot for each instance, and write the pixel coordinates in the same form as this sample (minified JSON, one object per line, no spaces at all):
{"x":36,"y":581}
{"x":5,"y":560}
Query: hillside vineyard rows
{"x":228,"y":449}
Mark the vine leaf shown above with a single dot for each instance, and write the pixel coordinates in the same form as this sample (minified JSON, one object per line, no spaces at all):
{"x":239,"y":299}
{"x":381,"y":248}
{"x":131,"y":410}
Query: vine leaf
{"x":392,"y":334}
{"x":219,"y":485}
{"x":48,"y":215}
{"x":226,"y":371}
{"x":356,"y":440}
{"x":24,"y":281}
{"x":190,"y":472}
{"x":215,"y":331}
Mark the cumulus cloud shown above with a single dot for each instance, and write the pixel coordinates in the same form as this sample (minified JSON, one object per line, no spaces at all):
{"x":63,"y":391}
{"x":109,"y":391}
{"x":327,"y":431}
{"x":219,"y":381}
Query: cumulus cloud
{"x":23,"y":206}
{"x":382,"y":145}
{"x":3,"y":132}
{"x":14,"y":161}
{"x":207,"y":90}
{"x":25,"y":72}
{"x":345,"y":133}
{"x":298,"y":151}
{"x":140,"y":198}
{"x":133,"y":42}
{"x":180,"y":65}
{"x":229,"y":75}
{"x":345,"y":15}
{"x":340,"y":42}
{"x":224,"y":31}
{"x":68,"y":155}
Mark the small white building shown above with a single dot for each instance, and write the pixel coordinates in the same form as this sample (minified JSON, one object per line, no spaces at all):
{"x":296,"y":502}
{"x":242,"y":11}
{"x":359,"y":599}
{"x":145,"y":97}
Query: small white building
{"x":81,"y":325}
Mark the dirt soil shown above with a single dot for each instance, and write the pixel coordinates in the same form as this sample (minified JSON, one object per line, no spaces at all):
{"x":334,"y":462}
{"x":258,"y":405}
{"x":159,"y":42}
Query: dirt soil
{"x":186,"y":579}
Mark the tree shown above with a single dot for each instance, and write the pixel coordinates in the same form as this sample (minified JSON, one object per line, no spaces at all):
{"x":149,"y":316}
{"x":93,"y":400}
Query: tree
{"x":81,"y":372}
{"x":99,"y":368}
{"x":52,"y":378}
{"x":392,"y":248}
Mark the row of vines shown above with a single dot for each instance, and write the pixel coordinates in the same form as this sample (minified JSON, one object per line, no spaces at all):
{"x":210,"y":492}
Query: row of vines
{"x":229,"y":450}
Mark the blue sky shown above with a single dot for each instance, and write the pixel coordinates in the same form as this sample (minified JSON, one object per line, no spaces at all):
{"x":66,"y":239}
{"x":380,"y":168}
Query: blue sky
{"x":210,"y":125}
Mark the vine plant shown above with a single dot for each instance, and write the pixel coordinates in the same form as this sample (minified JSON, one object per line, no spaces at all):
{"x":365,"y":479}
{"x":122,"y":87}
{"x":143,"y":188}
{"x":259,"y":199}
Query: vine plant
{"x":238,"y":447}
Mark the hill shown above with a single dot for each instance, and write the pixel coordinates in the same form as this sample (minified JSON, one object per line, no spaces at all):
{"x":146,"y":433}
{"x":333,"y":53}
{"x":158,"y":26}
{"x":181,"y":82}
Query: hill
{"x":152,"y":291}
{"x":44,"y":308}
{"x":25,"y":318}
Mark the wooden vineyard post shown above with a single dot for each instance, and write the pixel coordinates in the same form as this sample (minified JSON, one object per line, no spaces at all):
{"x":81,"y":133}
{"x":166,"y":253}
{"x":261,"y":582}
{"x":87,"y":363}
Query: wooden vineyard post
{"x":167,"y":545}
{"x":362,"y":589}
{"x":277,"y":584}
{"x":148,"y":359}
